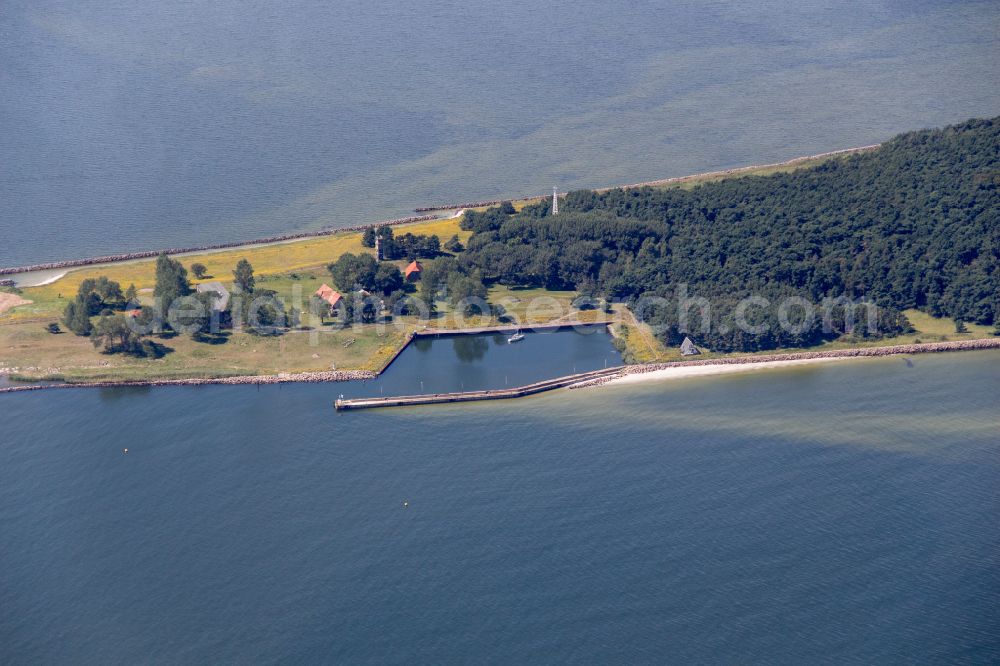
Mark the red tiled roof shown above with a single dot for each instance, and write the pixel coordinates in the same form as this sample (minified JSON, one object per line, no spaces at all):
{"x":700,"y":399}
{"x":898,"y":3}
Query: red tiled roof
{"x":414,"y":267}
{"x":328,"y":294}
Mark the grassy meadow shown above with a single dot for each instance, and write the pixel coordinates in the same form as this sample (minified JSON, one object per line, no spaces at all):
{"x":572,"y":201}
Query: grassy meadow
{"x":294,"y":270}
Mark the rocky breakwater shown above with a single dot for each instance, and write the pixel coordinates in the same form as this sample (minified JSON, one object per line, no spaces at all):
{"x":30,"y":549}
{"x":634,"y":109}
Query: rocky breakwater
{"x":146,"y":254}
{"x":923,"y":348}
{"x":469,"y":204}
{"x":284,"y":378}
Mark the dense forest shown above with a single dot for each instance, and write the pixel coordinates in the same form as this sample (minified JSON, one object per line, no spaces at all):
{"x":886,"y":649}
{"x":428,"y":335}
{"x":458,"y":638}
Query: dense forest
{"x":914,"y":223}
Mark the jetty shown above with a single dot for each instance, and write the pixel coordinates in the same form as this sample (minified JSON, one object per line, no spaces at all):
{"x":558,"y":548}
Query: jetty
{"x":471,"y":396}
{"x":512,"y":328}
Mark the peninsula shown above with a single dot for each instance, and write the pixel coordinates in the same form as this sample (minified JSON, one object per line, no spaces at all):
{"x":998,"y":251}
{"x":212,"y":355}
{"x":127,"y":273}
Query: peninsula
{"x":788,"y":258}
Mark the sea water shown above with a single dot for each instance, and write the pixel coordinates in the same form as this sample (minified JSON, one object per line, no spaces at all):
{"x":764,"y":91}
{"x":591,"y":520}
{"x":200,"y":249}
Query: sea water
{"x":839,"y":513}
{"x":135,"y":126}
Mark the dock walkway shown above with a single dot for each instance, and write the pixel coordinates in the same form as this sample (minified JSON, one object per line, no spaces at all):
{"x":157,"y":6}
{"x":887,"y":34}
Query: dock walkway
{"x":469,"y":396}
{"x":513,"y":328}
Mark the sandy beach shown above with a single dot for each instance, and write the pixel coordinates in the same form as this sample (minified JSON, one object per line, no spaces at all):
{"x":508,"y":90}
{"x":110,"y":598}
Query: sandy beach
{"x":684,"y":371}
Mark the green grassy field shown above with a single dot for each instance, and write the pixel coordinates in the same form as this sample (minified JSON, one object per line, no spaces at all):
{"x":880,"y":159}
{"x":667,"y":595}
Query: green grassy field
{"x":308,"y":255}
{"x":295,"y":270}
{"x":29,"y":351}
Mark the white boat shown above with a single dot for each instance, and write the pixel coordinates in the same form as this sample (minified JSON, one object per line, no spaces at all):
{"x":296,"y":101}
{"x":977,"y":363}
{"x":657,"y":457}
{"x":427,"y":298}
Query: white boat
{"x":517,"y":337}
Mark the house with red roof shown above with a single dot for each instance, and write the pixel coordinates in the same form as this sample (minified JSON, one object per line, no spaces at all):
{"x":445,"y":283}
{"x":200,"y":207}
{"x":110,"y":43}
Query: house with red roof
{"x":412,"y":272}
{"x":330,"y":295}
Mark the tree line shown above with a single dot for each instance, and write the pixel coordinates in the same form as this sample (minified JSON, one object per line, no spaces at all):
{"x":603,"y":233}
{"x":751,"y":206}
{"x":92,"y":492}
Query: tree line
{"x":912,"y":224}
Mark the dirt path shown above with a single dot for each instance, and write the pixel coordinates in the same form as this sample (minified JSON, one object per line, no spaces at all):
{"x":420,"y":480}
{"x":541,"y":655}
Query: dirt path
{"x":8,"y":301}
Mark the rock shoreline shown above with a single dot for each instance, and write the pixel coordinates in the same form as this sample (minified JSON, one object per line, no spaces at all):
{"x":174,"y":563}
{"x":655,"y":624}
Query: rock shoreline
{"x":662,"y":181}
{"x":892,"y":350}
{"x":146,"y":254}
{"x":743,"y":169}
{"x":287,"y":378}
{"x":352,"y":375}
{"x":471,"y":204}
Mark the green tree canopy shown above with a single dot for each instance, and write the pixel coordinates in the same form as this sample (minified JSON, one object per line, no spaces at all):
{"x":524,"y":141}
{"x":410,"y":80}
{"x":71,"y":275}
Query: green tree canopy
{"x":243,"y":277}
{"x":99,"y":293}
{"x":434,"y":278}
{"x":354,"y":271}
{"x":76,"y":316}
{"x":171,"y":281}
{"x":388,"y":278}
{"x":116,"y":335}
{"x":911,"y":224}
{"x":368,"y":237}
{"x":466,"y":292}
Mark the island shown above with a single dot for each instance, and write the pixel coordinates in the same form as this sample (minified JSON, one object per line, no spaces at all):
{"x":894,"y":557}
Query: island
{"x":891,"y":247}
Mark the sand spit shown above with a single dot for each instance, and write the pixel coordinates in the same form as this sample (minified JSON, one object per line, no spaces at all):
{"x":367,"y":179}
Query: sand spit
{"x":702,"y":367}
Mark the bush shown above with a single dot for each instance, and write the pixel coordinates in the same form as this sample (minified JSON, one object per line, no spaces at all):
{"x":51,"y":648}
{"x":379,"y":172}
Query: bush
{"x":150,"y":349}
{"x":368,"y":237}
{"x":76,"y":316}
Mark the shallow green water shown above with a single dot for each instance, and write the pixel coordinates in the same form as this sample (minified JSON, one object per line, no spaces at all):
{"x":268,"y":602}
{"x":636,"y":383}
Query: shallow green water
{"x":144,"y":125}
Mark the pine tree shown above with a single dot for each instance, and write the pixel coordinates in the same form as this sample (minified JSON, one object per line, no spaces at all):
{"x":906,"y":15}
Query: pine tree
{"x":171,"y":281}
{"x":368,"y":237}
{"x":77,"y":318}
{"x":243,"y":276}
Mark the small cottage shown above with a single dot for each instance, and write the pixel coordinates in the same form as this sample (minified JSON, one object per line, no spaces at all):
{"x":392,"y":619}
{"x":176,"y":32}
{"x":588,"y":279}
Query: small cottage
{"x":688,"y":348}
{"x":330,"y":295}
{"x":412,"y":272}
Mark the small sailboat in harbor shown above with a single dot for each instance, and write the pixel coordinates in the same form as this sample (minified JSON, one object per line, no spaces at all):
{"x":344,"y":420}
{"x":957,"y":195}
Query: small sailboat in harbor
{"x":517,"y":337}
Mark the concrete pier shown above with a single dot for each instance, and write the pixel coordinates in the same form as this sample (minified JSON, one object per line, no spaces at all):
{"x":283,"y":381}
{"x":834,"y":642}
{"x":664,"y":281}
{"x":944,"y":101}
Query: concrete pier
{"x":512,"y":328}
{"x":469,"y":396}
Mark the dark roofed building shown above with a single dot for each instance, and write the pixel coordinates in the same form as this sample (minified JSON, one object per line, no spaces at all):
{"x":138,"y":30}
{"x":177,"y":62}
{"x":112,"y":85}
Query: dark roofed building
{"x":221,"y":300}
{"x":688,"y":348}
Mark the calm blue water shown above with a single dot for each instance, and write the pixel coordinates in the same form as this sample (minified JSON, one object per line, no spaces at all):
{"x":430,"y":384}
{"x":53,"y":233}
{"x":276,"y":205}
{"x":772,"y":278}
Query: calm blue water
{"x":158,"y":124}
{"x":474,"y":362}
{"x":844,"y":513}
